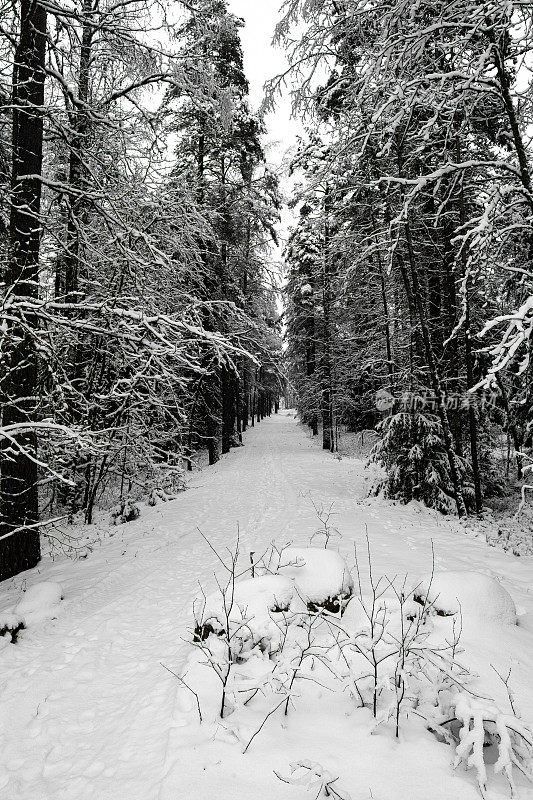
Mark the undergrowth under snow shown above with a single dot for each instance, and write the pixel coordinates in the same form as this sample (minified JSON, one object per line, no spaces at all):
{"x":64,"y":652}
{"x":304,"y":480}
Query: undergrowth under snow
{"x":94,"y":703}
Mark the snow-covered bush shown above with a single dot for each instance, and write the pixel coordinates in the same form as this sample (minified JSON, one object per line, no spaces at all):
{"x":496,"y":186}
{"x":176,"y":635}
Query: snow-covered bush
{"x":261,"y":644}
{"x":321,"y":577}
{"x":37,"y":604}
{"x":125,"y":511}
{"x":158,"y":495}
{"x":248,"y":613}
{"x":472,"y":594}
{"x":11,"y":624}
{"x":271,"y":615}
{"x":40,"y":601}
{"x":387,"y":656}
{"x":412,"y":453}
{"x":165,"y":484}
{"x":482,"y":724}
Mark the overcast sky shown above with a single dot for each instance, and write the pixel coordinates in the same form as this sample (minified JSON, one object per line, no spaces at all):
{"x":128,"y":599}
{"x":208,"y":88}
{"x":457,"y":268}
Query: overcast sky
{"x":261,"y":62}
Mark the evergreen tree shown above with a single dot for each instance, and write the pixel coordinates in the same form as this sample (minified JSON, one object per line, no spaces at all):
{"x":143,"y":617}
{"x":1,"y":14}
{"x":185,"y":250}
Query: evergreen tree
{"x":422,"y":118}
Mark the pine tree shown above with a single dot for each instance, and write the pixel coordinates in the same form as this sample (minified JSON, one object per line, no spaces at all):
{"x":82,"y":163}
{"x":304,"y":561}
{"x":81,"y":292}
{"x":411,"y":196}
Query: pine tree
{"x":219,"y":149}
{"x":422,"y":118}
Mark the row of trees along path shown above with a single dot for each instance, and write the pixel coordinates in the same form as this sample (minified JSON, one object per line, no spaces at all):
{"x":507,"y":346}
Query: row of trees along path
{"x":137,"y":219}
{"x":410,"y":267}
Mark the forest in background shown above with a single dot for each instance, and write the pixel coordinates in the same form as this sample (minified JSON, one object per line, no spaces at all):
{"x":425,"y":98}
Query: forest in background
{"x":139,"y":325}
{"x":410,"y":276}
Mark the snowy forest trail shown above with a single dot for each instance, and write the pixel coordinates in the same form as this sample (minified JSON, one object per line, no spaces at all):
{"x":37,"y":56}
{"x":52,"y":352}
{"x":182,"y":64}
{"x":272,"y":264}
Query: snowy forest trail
{"x":87,"y":712}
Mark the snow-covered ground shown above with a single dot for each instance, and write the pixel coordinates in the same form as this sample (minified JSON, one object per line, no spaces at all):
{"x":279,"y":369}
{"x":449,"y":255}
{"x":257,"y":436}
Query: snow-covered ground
{"x":88,"y":712}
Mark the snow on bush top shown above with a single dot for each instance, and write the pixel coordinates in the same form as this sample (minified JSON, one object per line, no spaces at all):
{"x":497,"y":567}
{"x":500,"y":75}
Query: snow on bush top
{"x":471,"y":593}
{"x":254,"y":600}
{"x":309,"y":574}
{"x":318,"y":573}
{"x":39,"y":602}
{"x":9,"y":619}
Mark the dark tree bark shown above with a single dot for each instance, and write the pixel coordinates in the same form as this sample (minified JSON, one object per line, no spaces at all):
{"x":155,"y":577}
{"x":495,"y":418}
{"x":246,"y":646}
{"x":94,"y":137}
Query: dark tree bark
{"x":18,"y":476}
{"x":435,"y":379}
{"x":384,"y":300}
{"x":449,"y":319}
{"x":244,"y":396}
{"x":229,"y":409}
{"x":472,"y":419}
{"x":512,"y":429}
{"x":214,"y":418}
{"x":79,"y":123}
{"x":328,"y":439}
{"x":310,"y":362}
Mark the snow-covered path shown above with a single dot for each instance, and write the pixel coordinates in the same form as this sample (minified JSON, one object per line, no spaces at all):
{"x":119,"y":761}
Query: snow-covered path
{"x":87,"y":712}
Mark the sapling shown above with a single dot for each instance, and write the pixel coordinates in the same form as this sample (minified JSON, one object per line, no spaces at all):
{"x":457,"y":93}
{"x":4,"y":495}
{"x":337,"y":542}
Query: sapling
{"x":181,"y":679}
{"x":220,"y":663}
{"x":392,"y":643}
{"x":481,"y":721}
{"x":324,"y":515}
{"x":508,"y":689}
{"x":299,"y":647}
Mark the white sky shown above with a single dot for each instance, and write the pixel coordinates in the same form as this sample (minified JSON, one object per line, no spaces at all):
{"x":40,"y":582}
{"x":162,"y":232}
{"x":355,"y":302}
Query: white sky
{"x":261,"y":62}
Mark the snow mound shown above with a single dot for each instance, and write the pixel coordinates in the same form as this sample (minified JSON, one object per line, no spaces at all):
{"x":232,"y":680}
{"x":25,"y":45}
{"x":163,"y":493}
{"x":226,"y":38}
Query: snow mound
{"x":354,"y":617}
{"x":251,"y":611}
{"x":473,"y":594}
{"x":320,"y":575}
{"x":39,"y":602}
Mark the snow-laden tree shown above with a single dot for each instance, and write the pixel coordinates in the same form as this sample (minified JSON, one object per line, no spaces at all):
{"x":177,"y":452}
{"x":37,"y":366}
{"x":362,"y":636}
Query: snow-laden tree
{"x":426,"y":110}
{"x":126,"y":293}
{"x":303,"y":258}
{"x":219,"y":151}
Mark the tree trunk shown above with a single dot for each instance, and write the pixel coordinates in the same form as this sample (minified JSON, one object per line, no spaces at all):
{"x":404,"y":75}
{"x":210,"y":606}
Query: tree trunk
{"x":328,"y":439}
{"x":512,"y":429}
{"x":214,"y":413}
{"x":18,"y":477}
{"x":79,"y":124}
{"x":253,"y":398}
{"x":310,"y":360}
{"x":449,"y":313}
{"x":435,"y":379}
{"x":229,"y":409}
{"x":384,"y":300}
{"x":472,"y":421}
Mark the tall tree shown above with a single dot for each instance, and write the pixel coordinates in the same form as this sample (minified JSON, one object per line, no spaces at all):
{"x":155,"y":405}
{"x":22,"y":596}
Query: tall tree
{"x":19,"y":539}
{"x":407,"y":83}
